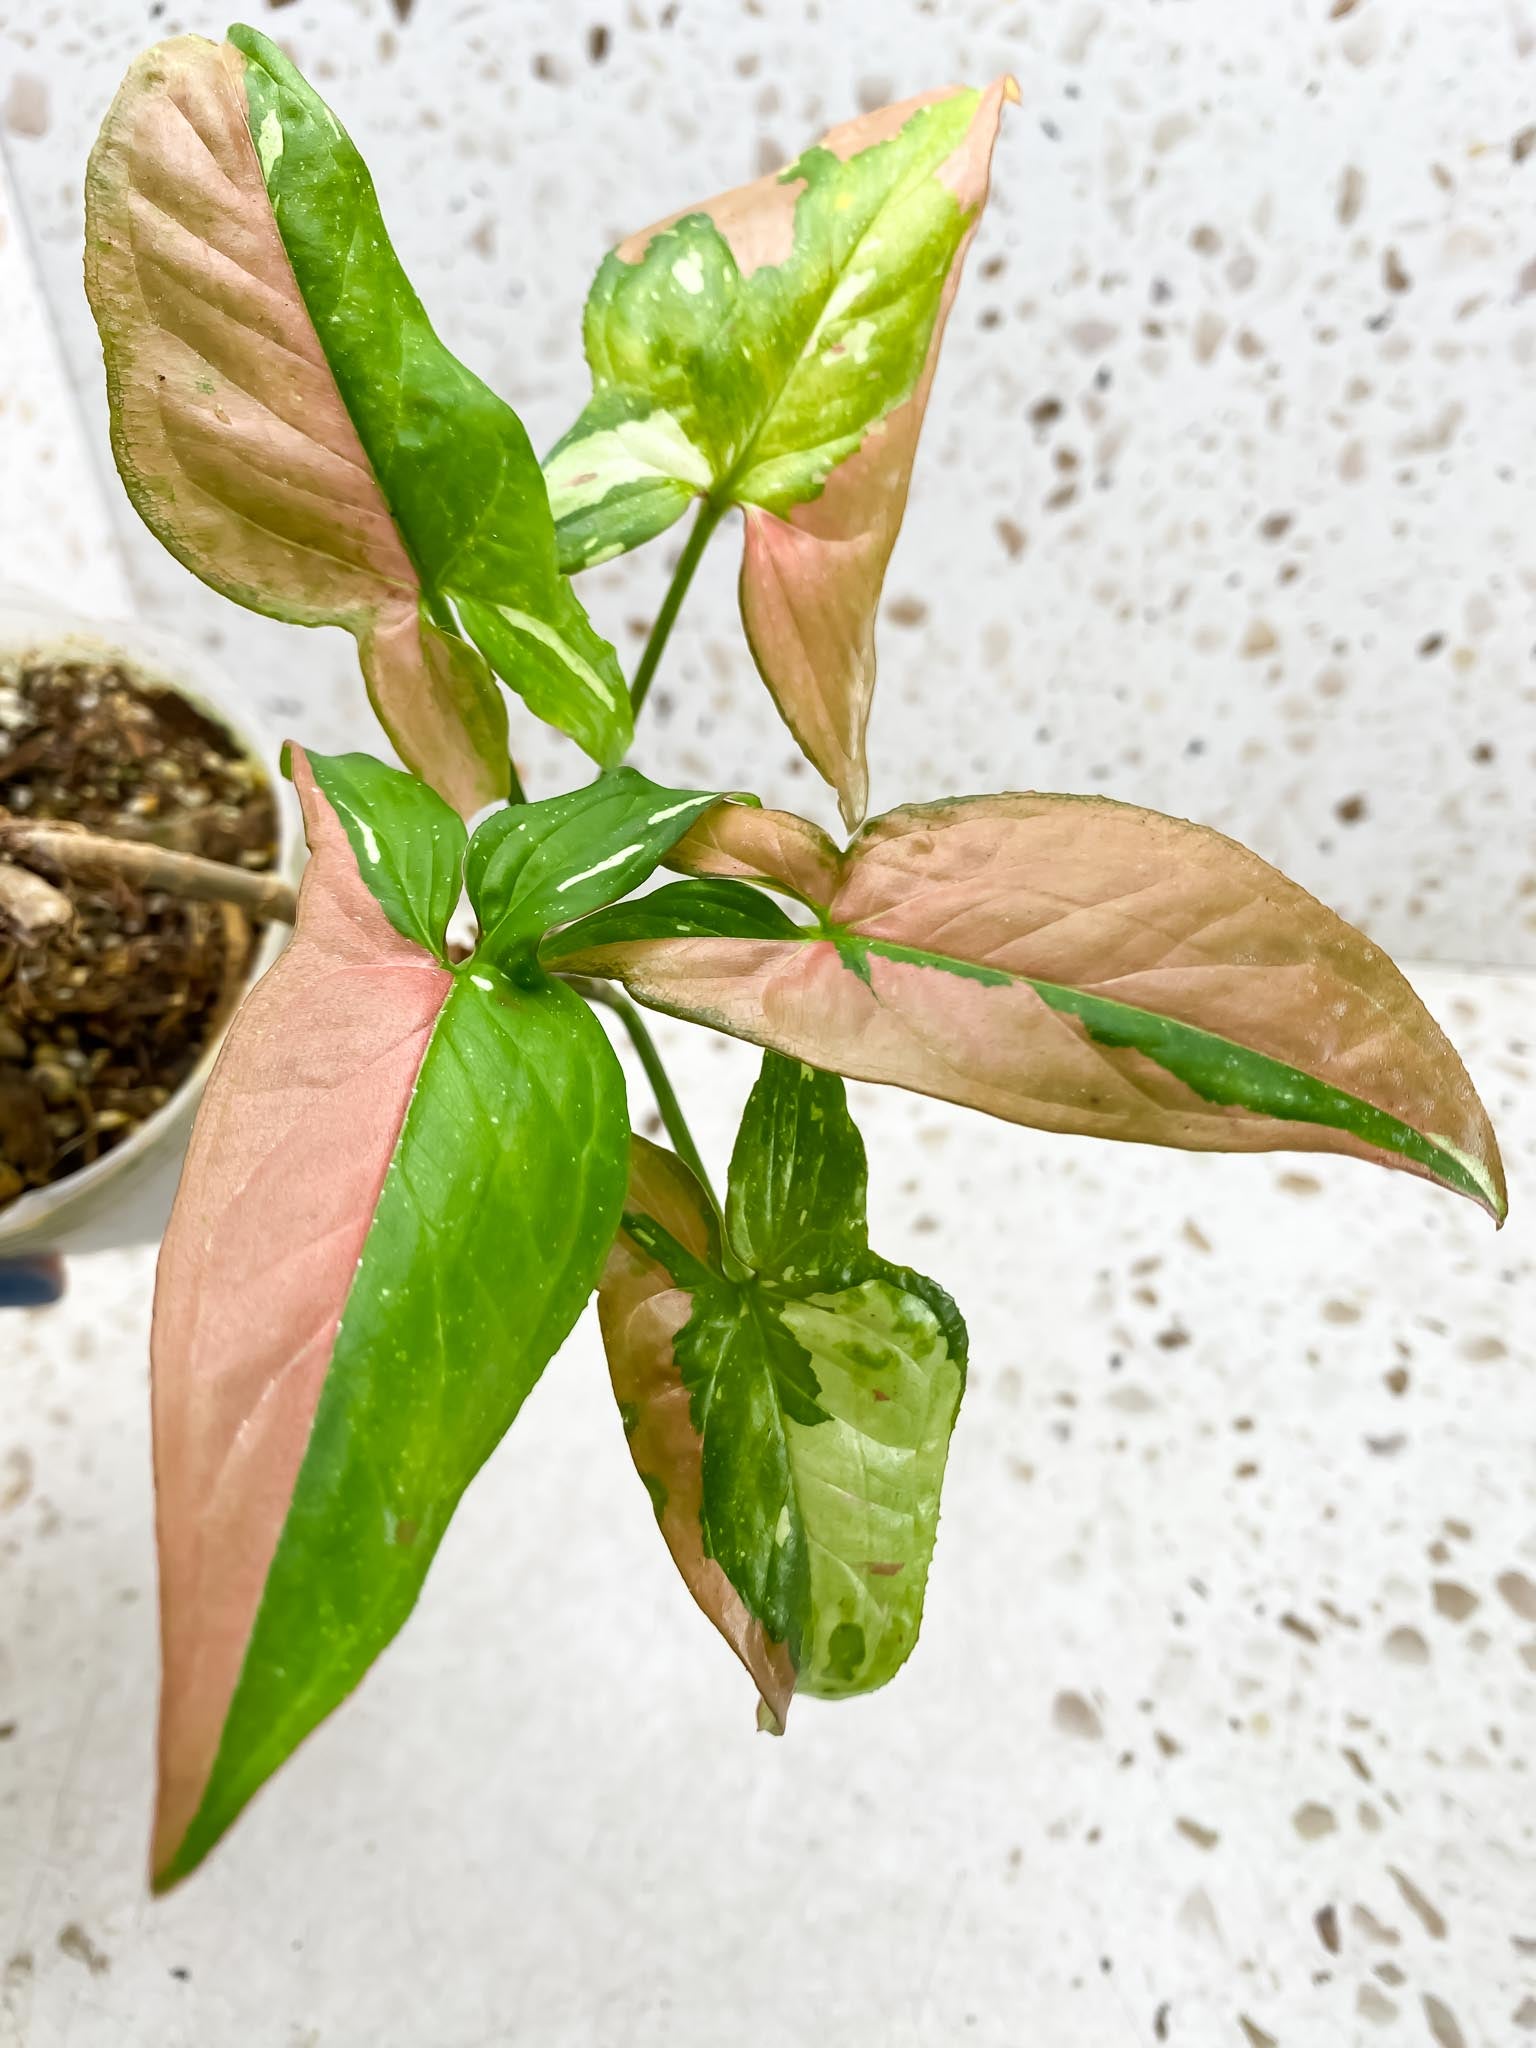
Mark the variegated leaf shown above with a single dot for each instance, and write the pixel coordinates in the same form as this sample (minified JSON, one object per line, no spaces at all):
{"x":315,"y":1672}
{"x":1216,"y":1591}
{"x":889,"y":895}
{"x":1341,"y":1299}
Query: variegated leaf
{"x":405,"y":1178}
{"x":1067,"y":962}
{"x":289,"y":425}
{"x":790,"y":1417}
{"x":773,"y":349}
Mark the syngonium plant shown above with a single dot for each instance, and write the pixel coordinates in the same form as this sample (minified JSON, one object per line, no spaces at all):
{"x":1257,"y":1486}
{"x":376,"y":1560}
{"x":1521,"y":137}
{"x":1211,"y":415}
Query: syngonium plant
{"x":414,"y":1165}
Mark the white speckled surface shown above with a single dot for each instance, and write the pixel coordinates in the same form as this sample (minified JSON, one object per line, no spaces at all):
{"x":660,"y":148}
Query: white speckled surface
{"x":1221,"y":1727}
{"x":1169,"y":344}
{"x":1233,"y":1615}
{"x":57,"y":531}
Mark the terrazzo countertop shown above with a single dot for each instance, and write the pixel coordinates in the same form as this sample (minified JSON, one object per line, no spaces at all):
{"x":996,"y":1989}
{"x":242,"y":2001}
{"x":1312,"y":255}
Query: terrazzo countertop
{"x":1220,"y":1730}
{"x":1227,"y":498}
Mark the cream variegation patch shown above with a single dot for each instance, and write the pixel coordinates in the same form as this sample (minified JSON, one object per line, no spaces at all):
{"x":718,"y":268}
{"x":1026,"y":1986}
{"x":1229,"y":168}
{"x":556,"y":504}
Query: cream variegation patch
{"x":890,"y":1388}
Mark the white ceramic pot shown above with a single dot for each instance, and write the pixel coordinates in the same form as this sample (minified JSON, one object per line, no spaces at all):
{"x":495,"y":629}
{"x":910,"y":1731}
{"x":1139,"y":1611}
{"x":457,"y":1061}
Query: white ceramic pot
{"x":125,"y":1197}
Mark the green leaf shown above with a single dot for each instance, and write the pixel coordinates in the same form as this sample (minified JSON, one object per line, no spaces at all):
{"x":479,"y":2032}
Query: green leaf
{"x":773,"y":350}
{"x":408,"y":844}
{"x":401,"y":1190}
{"x":702,"y":909}
{"x":452,"y":457}
{"x":801,"y":1498}
{"x":745,"y":1373}
{"x":538,"y":865}
{"x":798,"y":1178}
{"x":753,"y":383}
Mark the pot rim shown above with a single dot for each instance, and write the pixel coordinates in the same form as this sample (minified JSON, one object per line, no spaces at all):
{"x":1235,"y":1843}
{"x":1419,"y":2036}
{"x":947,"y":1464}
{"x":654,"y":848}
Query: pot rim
{"x":149,"y":655}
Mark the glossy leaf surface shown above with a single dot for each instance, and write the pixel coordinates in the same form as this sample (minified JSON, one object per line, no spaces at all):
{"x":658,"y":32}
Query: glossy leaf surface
{"x":1066,"y":962}
{"x":401,"y":1189}
{"x":533,"y":866}
{"x":408,"y":844}
{"x":289,"y":425}
{"x":791,"y":1427}
{"x":773,"y":349}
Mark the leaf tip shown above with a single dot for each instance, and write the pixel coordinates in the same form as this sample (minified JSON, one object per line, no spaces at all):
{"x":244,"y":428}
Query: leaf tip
{"x":769,"y":1720}
{"x":169,"y":1864}
{"x":1479,"y":1174}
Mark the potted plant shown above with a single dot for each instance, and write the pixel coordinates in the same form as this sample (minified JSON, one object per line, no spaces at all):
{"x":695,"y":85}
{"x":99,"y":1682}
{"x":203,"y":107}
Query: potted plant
{"x":130,"y":773}
{"x":413,"y":1164}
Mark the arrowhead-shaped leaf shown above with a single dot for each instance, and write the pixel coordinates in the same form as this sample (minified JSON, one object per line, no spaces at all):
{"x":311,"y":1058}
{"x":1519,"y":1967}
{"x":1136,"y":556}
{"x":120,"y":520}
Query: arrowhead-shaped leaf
{"x":531,"y":867}
{"x":289,"y":425}
{"x":791,"y":1426}
{"x":1066,"y":962}
{"x":403,"y":1183}
{"x":773,"y":349}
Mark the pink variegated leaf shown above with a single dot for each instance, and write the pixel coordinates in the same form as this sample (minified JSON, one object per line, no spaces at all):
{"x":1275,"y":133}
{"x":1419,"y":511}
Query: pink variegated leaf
{"x":1066,"y":962}
{"x":774,"y":349}
{"x":403,"y":1182}
{"x":289,"y":425}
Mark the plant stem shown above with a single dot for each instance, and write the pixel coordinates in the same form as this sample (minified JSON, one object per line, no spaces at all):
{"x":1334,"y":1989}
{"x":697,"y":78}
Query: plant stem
{"x":516,"y":794}
{"x":97,"y":856}
{"x":709,"y":518}
{"x":655,"y":1072}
